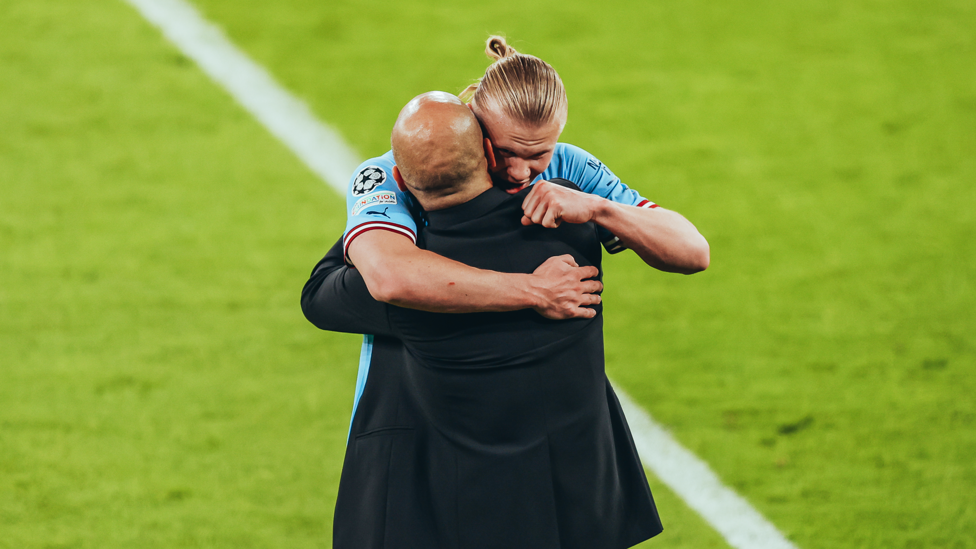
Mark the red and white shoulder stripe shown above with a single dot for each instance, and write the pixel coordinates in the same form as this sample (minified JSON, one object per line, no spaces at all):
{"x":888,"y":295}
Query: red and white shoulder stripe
{"x":373,"y":225}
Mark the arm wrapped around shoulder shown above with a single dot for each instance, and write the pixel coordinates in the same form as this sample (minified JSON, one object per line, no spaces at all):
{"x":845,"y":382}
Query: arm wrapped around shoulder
{"x":336,"y":298}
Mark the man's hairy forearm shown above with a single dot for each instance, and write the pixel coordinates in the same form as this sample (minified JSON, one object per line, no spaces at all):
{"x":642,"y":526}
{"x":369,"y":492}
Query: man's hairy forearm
{"x":399,"y":273}
{"x":664,"y":239}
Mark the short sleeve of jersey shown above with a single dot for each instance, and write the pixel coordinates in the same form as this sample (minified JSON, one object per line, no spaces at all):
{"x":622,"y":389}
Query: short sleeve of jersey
{"x":593,"y":177}
{"x":373,"y":201}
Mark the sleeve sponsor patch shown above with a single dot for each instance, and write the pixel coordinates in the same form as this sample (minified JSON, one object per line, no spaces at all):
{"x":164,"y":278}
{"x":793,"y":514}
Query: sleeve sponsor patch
{"x":368,"y":179}
{"x":375,"y":199}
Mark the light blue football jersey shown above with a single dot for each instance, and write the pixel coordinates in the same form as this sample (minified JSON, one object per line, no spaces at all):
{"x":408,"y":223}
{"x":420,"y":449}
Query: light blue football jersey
{"x":373,"y":201}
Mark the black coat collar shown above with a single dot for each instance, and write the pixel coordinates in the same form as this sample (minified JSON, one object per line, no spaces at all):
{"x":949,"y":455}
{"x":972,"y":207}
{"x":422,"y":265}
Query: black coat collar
{"x":472,"y":209}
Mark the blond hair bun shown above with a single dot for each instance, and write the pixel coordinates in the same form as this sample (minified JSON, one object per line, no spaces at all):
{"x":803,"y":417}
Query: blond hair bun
{"x":522,"y":87}
{"x":496,"y":48}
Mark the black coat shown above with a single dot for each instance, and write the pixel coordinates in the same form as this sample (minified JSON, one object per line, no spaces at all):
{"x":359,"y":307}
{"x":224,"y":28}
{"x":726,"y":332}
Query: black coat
{"x":483,"y":430}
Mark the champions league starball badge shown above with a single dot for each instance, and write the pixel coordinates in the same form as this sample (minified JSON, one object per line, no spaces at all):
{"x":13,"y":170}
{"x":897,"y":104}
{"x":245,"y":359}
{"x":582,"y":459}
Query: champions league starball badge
{"x":368,"y":179}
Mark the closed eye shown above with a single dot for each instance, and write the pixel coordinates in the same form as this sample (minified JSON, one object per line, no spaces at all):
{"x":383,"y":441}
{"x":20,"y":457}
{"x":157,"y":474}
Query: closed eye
{"x":508,"y":153}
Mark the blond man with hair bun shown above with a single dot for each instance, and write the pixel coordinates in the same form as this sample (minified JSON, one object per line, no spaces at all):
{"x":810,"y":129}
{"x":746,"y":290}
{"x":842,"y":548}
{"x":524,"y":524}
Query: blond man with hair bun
{"x":521,"y":105}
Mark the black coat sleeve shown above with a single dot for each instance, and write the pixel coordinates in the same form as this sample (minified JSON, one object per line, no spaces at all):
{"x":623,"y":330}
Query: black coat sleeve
{"x":336,"y":298}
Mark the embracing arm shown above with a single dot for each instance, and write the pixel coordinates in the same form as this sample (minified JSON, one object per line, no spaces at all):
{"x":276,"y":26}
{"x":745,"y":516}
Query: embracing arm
{"x":664,"y":239}
{"x":335,"y":298}
{"x":399,"y":273}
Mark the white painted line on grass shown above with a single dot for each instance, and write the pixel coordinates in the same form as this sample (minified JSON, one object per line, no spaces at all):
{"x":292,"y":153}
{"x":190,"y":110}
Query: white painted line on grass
{"x":691,"y":478}
{"x":320,"y":147}
{"x":323,"y":150}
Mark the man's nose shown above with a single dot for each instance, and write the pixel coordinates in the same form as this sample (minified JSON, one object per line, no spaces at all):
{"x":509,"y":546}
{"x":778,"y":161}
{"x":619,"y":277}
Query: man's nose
{"x":518,"y":169}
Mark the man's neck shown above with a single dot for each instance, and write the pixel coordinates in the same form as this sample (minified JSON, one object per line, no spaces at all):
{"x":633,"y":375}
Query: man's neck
{"x":466,"y":192}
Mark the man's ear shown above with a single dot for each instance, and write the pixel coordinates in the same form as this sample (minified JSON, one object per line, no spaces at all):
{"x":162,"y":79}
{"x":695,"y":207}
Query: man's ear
{"x":489,"y":154}
{"x":399,"y":179}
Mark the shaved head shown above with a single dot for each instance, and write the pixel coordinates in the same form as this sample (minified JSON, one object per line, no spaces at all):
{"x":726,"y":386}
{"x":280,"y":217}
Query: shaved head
{"x":437,"y":146}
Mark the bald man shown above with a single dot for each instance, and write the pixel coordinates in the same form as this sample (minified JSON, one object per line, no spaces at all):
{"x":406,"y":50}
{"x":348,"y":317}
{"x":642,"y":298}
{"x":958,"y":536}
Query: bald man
{"x":500,"y":429}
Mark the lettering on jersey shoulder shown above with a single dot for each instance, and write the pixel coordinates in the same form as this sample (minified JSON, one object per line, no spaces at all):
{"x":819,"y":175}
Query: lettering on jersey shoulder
{"x":597,"y":165}
{"x":375,"y":199}
{"x":368,"y":179}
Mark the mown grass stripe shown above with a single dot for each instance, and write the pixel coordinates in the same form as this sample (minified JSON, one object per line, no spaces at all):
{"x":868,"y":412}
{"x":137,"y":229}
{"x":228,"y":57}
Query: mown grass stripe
{"x":325,"y":153}
{"x":694,"y":482}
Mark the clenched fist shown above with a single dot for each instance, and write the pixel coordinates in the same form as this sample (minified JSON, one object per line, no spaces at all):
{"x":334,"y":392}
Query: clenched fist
{"x":548,"y":204}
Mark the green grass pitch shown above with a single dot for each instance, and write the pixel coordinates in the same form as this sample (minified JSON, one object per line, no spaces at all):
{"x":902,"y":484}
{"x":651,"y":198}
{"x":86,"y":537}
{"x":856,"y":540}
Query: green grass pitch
{"x":160,"y":388}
